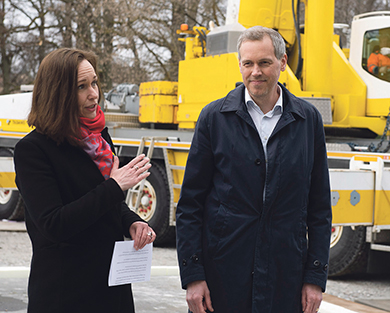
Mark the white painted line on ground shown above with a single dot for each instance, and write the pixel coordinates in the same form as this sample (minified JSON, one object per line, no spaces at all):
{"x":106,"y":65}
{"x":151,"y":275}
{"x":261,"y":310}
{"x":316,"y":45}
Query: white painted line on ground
{"x":327,"y":307}
{"x":165,"y":271}
{"x":14,"y":272}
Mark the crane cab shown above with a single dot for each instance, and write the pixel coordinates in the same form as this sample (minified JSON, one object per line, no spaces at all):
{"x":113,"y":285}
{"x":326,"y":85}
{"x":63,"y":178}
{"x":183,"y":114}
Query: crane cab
{"x":370,"y":39}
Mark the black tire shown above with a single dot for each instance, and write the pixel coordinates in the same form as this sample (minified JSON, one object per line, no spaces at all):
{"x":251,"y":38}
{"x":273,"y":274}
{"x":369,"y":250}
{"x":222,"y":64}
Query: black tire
{"x":155,"y":204}
{"x":18,"y":213}
{"x":8,"y":202}
{"x":348,"y":251}
{"x":11,"y":203}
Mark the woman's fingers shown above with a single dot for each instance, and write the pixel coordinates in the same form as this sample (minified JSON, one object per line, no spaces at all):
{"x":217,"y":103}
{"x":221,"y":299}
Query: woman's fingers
{"x":115,"y":164}
{"x":142,"y":234}
{"x":136,"y":160}
{"x":132,"y":173}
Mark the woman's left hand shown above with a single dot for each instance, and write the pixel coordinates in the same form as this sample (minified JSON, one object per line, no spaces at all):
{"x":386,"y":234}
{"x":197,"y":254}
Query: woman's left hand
{"x":142,"y":234}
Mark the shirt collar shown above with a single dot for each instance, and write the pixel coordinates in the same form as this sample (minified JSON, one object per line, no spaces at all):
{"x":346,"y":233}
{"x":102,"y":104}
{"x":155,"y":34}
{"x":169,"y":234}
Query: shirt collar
{"x":277,"y":109}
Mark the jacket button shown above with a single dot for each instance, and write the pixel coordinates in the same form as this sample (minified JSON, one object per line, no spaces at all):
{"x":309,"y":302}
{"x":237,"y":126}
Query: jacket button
{"x":195,"y":258}
{"x":316,"y":263}
{"x":184,"y":262}
{"x":257,"y":161}
{"x":326,"y":267}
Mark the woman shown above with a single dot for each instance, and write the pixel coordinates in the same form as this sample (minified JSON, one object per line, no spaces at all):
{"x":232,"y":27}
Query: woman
{"x":74,"y":191}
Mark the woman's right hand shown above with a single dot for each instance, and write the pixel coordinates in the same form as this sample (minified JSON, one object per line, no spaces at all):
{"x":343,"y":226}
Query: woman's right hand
{"x":132,"y":173}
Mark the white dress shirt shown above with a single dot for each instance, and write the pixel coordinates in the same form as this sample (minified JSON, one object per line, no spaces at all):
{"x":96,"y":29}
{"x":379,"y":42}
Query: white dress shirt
{"x":265,"y":123}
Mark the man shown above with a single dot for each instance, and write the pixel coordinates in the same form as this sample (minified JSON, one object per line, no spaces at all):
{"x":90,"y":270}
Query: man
{"x":256,"y":183}
{"x":379,"y":63}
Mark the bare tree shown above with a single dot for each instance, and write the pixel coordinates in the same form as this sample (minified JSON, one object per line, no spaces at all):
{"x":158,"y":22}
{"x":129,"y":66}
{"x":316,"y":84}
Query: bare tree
{"x":64,"y":14}
{"x":105,"y":31}
{"x":18,"y":35}
{"x":150,"y":29}
{"x":6,"y":52}
{"x":135,"y":40}
{"x":36,"y":14}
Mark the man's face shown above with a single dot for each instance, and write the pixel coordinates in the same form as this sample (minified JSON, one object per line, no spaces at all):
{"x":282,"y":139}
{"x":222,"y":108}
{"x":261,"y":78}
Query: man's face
{"x":260,"y":69}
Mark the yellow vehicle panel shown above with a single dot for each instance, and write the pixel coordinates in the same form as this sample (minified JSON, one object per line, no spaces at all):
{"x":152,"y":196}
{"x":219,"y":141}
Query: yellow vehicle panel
{"x":382,"y":200}
{"x":352,"y":197}
{"x":202,"y":81}
{"x":7,"y":173}
{"x":159,"y":87}
{"x":158,"y":102}
{"x":157,"y":109}
{"x":271,"y":14}
{"x":14,"y":125}
{"x":178,"y":158}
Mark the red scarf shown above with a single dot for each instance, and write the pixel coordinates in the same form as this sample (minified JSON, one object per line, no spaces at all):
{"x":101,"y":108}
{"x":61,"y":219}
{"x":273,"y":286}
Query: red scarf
{"x":94,"y":144}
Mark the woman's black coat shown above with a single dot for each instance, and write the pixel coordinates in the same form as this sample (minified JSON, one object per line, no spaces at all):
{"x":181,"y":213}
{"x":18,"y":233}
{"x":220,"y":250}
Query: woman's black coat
{"x":73,"y":217}
{"x":254,"y":254}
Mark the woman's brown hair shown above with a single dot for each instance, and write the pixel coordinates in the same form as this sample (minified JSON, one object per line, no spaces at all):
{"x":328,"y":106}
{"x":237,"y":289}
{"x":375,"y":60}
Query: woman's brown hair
{"x":55,"y":111}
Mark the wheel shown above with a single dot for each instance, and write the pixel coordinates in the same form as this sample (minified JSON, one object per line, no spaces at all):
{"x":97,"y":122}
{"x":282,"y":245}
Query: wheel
{"x":18,"y":213}
{"x":11,"y":203}
{"x":154,"y":204}
{"x":348,"y":251}
{"x":8,"y":200}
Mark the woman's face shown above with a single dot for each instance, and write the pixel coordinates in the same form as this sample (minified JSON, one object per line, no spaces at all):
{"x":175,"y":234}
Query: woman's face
{"x":87,"y":90}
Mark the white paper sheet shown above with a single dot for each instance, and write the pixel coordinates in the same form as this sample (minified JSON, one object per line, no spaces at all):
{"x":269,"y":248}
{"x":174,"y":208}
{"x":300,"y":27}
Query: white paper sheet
{"x":129,"y":265}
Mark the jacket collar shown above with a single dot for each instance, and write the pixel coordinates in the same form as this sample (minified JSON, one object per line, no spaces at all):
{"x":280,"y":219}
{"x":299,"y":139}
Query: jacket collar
{"x":235,"y":102}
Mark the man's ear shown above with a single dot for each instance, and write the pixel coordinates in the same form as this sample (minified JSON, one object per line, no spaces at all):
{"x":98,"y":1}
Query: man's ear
{"x":283,"y":61}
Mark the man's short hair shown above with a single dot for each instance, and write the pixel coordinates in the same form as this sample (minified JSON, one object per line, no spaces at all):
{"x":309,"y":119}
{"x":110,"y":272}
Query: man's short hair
{"x":257,"y":33}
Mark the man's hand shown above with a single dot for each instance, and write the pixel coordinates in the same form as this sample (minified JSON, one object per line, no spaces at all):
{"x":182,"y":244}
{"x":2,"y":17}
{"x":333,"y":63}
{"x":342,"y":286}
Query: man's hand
{"x":383,"y":70}
{"x":198,"y":297}
{"x":311,"y":298}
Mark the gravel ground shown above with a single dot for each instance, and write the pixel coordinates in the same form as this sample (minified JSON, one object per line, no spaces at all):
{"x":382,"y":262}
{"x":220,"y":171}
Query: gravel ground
{"x":359,"y":288}
{"x":15,"y":250}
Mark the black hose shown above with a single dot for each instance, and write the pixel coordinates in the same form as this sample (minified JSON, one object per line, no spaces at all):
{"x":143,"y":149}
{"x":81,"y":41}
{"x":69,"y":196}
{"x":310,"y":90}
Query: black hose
{"x":298,"y":71}
{"x":203,"y":40}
